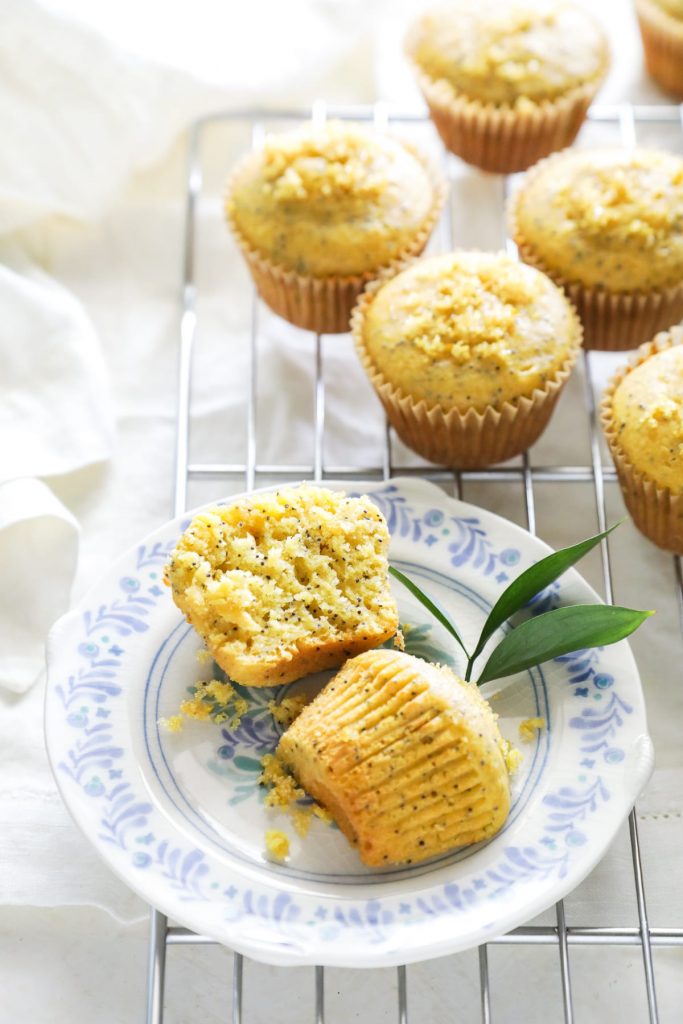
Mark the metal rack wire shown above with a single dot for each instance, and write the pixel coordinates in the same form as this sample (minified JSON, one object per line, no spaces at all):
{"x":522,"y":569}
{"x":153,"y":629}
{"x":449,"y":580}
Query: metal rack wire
{"x":626,"y":119}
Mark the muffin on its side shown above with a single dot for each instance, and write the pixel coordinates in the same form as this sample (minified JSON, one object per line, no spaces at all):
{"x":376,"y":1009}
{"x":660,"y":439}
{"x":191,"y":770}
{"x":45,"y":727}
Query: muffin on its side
{"x":661,"y":29}
{"x":607,"y":225}
{"x":319,"y":212}
{"x":407,"y":758}
{"x":281,"y":585}
{"x":468,"y":353}
{"x":642,"y":416}
{"x":507,"y":82}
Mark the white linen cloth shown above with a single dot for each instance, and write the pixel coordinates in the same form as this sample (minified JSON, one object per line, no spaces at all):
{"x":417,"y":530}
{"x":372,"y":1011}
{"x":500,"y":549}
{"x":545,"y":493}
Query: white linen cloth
{"x":115,"y":245}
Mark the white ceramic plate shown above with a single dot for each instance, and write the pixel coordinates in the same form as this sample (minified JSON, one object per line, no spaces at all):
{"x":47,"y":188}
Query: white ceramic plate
{"x":181,"y":819}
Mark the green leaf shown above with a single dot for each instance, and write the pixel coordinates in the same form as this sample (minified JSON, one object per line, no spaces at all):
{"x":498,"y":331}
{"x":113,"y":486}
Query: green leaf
{"x":557,"y":632}
{"x":531,"y":582}
{"x":430,"y":605}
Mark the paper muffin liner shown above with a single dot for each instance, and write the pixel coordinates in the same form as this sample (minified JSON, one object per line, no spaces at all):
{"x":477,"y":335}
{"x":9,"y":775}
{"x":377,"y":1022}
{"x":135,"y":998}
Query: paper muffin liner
{"x":656,"y":512}
{"x":324,"y":304}
{"x":338,"y":747}
{"x":662,"y":37}
{"x":462,"y":440}
{"x":504,"y":139}
{"x":612,"y":321}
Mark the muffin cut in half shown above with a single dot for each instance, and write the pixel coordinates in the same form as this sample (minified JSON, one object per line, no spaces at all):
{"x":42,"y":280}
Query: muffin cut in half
{"x":281,"y":585}
{"x":406,"y":757}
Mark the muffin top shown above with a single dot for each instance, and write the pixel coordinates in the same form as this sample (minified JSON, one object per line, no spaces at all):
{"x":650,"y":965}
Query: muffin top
{"x":469,"y":330}
{"x":331,"y":201}
{"x":606,"y":218}
{"x":647,"y":417}
{"x":674,"y":8}
{"x":504,"y":51}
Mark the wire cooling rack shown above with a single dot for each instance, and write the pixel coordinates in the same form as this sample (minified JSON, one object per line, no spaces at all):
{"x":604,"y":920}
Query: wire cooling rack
{"x":627,"y":124}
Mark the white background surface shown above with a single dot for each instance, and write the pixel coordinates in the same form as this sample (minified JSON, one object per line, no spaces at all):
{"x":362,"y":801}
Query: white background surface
{"x":121,"y":258}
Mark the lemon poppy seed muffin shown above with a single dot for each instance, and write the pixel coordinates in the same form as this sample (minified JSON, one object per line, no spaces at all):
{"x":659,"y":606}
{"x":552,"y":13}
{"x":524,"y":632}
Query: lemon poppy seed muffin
{"x":468,"y":352}
{"x":661,"y":29}
{"x":285,"y":584}
{"x":320,"y":211}
{"x":608,"y":226}
{"x":507,"y":82}
{"x":642,"y":415}
{"x":406,"y":757}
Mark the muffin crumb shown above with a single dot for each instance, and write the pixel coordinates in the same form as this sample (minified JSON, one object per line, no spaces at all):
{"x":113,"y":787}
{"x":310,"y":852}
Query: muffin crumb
{"x":277,"y":844}
{"x":529,"y":728}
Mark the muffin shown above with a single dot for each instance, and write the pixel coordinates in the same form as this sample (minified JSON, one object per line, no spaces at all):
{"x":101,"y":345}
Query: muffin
{"x":661,"y":29}
{"x":607,"y":225}
{"x":507,"y":81}
{"x":281,"y":585}
{"x":468,"y":353}
{"x":406,"y":757}
{"x":319,"y":212}
{"x":642,"y":416}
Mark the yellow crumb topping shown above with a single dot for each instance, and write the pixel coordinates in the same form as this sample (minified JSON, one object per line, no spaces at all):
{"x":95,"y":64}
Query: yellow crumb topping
{"x":203,"y":656}
{"x":509,"y":53}
{"x":277,"y":844}
{"x":334,"y":200}
{"x":284,"y":584}
{"x":529,"y":727}
{"x":469,"y":330}
{"x":647,"y":417}
{"x":607,"y":218}
{"x":315,"y":163}
{"x":287,"y":709}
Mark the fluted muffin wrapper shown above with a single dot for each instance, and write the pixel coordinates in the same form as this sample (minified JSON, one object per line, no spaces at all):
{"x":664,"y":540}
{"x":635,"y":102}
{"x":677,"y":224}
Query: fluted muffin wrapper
{"x":656,"y":511}
{"x":463,"y":440}
{"x":662,"y":38}
{"x":612,"y":321}
{"x":504,"y":139}
{"x":381,"y":802}
{"x":324,"y":304}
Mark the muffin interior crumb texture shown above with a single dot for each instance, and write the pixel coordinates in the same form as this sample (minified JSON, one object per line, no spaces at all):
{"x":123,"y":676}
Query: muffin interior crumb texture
{"x":283,"y":584}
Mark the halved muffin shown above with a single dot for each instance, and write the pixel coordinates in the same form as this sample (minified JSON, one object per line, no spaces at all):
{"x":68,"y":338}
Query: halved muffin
{"x":407,"y":758}
{"x":281,"y":585}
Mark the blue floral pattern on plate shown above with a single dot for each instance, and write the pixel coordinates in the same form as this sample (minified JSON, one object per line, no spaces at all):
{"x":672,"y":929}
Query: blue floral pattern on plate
{"x":598,"y":757}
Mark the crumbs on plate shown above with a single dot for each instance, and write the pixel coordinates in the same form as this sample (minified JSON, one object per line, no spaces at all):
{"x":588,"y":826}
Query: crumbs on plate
{"x":211,"y":699}
{"x":277,"y":844}
{"x":529,"y":727}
